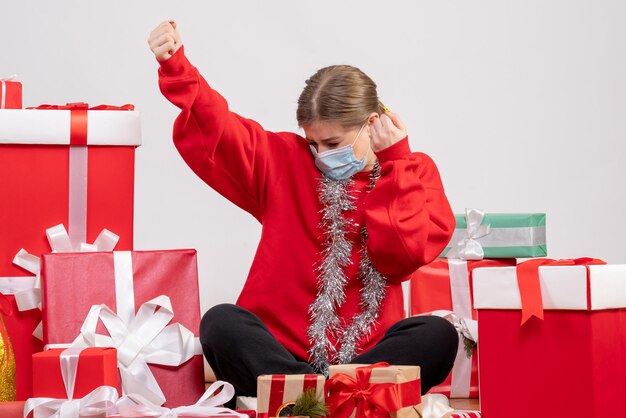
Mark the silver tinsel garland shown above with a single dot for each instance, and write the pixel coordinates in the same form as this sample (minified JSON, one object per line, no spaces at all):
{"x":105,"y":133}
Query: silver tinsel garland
{"x":336,"y":199}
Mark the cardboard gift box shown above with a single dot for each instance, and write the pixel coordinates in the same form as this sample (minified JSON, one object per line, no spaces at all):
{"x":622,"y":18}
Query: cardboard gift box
{"x":445,"y":285}
{"x":357,"y":390}
{"x":497,"y":235}
{"x":276,"y":390}
{"x":571,"y":362}
{"x":131,"y":293}
{"x":73,"y":167}
{"x":10,"y":93}
{"x":93,"y":367}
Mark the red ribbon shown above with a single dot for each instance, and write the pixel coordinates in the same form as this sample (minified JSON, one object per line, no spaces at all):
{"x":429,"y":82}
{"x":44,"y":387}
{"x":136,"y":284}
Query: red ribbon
{"x":373,"y":400}
{"x":530,"y":287}
{"x":78,"y":117}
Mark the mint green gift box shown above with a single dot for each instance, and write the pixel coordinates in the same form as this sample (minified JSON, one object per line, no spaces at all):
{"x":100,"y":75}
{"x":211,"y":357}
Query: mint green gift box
{"x":498,"y":235}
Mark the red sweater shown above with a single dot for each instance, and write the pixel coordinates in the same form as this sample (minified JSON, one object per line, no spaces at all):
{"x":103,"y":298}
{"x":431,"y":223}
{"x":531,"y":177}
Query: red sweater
{"x":272,"y":176}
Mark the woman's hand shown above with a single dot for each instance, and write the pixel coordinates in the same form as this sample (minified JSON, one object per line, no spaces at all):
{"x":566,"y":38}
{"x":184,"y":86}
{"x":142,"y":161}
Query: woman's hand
{"x":386,"y":131}
{"x":165,"y":40}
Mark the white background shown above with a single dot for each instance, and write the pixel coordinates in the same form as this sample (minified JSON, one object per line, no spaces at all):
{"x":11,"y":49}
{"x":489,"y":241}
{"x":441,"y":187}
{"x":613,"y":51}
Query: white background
{"x":522,"y":104}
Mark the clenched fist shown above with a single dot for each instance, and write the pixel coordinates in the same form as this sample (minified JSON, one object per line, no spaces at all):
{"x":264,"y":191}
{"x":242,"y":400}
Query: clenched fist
{"x":165,"y":40}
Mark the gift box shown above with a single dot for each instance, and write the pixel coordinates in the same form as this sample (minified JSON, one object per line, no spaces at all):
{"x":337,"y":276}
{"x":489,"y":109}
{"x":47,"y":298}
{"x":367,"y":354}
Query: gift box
{"x":10,"y":93}
{"x":357,"y":390}
{"x":445,"y":285}
{"x":276,"y":390}
{"x":572,"y":362}
{"x":94,"y":367}
{"x":132,"y":293}
{"x":497,"y":235}
{"x":47,"y":180}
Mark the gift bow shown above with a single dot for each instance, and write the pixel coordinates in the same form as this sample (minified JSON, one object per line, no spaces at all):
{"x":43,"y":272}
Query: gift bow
{"x":434,"y":405}
{"x":468,"y":248}
{"x":373,"y":400}
{"x":209,"y":404}
{"x":467,"y":327}
{"x":100,"y":400}
{"x":146,"y":338}
{"x":530,"y":287}
{"x":59,"y":241}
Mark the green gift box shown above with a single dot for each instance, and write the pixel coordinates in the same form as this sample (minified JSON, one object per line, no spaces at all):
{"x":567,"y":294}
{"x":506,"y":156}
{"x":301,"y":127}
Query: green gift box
{"x":497,"y":235}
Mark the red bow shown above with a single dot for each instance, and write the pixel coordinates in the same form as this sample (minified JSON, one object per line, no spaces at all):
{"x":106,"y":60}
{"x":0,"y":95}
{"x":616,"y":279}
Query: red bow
{"x":530,"y":288}
{"x":372,"y":400}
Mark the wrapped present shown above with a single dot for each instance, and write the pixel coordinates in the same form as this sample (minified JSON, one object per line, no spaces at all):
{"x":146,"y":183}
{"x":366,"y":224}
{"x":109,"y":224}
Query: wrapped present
{"x":10,"y":93}
{"x":497,"y":235}
{"x":44,"y":163}
{"x":275,"y":391}
{"x":444,"y":287}
{"x":209,"y":405}
{"x":147,"y":290}
{"x":573,"y":359}
{"x":354,"y":390}
{"x":90,"y":368}
{"x":12,"y":409}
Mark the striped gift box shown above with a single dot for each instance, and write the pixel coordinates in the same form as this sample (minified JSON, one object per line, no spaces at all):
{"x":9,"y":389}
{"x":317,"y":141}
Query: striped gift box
{"x":275,"y":390}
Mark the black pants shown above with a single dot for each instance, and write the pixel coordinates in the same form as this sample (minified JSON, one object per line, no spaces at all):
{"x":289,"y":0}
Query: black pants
{"x":239,"y":347}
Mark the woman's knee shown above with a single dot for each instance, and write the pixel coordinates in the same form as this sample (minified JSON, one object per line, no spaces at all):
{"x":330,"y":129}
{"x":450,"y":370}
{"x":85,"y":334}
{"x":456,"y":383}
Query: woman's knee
{"x":219,"y":323}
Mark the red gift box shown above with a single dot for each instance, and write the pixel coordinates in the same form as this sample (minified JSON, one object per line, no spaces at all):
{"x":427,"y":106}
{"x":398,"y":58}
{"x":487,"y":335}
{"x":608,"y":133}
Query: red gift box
{"x":10,"y":93}
{"x":446,"y":285}
{"x":46,"y":182}
{"x":275,"y":390}
{"x":96,"y":367}
{"x":572,"y":362}
{"x":125,"y":281}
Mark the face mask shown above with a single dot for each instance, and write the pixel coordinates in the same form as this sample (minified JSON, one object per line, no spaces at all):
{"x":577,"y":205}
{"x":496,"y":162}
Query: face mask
{"x":340,"y":163}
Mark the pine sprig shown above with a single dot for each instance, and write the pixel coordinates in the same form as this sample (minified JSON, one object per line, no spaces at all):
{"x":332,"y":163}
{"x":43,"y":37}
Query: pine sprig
{"x":309,"y":405}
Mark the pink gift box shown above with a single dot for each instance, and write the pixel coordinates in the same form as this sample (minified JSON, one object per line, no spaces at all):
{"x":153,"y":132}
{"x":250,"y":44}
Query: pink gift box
{"x":73,"y":282}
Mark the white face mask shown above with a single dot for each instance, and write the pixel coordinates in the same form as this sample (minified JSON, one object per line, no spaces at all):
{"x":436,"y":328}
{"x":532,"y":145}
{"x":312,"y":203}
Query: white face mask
{"x":340,"y":163}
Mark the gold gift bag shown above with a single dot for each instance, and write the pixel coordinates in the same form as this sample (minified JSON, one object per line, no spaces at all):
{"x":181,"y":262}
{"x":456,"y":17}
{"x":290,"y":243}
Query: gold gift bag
{"x":7,"y":359}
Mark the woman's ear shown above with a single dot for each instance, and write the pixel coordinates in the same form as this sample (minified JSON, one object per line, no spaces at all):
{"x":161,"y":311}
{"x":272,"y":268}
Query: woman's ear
{"x":372,"y":117}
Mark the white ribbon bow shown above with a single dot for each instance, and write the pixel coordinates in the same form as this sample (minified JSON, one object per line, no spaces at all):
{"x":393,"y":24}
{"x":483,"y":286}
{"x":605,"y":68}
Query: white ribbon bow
{"x":100,"y":400}
{"x":147,"y":338}
{"x":468,"y":248}
{"x":135,"y":405}
{"x":28,"y":292}
{"x":434,"y":405}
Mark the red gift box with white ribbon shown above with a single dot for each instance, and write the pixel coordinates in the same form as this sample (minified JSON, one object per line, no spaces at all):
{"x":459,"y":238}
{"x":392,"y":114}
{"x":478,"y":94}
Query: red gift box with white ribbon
{"x":70,"y":166}
{"x":144,"y":303}
{"x":568,"y":357}
{"x":443,"y":288}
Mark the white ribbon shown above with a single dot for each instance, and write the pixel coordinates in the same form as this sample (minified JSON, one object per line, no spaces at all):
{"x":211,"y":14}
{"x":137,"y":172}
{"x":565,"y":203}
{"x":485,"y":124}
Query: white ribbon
{"x":135,"y":405}
{"x":147,"y":338}
{"x":3,"y":100}
{"x":461,"y":381}
{"x":468,"y":248}
{"x":101,"y":400}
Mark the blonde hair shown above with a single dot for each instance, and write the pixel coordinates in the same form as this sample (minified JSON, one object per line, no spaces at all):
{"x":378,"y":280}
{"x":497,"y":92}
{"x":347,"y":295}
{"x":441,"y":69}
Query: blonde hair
{"x":340,"y":93}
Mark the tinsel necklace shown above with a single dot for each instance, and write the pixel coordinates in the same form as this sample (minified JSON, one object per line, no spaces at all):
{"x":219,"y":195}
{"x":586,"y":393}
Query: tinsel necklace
{"x":331,"y":281}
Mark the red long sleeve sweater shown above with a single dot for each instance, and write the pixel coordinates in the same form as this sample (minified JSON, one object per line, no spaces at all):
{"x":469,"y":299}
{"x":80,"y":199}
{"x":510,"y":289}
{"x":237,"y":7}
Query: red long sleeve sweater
{"x":273,"y":177}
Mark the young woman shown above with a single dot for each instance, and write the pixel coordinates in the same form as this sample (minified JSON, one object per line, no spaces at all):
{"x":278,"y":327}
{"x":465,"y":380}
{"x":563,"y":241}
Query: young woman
{"x":348,"y":214}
